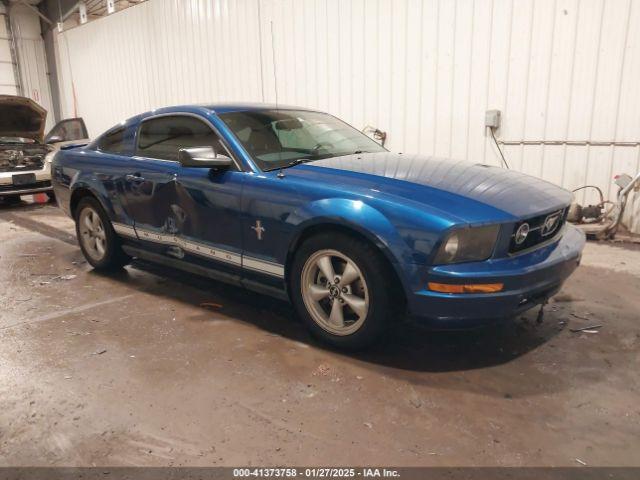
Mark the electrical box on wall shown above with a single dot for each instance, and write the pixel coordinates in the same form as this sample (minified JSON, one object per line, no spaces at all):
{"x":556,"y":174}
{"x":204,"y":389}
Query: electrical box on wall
{"x":492,"y":119}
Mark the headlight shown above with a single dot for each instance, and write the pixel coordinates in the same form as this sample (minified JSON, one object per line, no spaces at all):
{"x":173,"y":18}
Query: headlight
{"x":468,"y":245}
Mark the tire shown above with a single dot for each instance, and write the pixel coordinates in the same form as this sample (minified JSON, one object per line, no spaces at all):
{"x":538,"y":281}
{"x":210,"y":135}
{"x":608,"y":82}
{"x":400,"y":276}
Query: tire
{"x":99,"y":243}
{"x":366,"y":303}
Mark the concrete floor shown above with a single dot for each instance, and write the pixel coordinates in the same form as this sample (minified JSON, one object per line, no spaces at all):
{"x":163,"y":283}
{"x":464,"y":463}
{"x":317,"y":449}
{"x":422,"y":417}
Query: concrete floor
{"x":129,"y":369}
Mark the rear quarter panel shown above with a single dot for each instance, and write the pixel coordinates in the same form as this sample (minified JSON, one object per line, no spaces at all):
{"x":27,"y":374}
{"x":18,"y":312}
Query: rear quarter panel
{"x":94,"y":171}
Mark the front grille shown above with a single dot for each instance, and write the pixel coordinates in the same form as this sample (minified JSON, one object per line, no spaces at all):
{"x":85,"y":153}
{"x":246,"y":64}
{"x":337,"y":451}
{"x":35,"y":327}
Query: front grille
{"x":40,"y":184}
{"x":541,"y":229}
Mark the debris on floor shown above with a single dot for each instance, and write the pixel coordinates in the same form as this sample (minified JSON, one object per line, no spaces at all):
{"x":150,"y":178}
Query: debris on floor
{"x":65,"y":277}
{"x":589,"y":329}
{"x":54,"y":276}
{"x":580,"y":317}
{"x":322,"y":370}
{"x":210,"y":305}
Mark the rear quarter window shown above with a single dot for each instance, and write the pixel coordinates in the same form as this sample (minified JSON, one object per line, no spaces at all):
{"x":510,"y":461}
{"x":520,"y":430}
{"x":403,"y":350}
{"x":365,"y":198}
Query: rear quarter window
{"x":114,"y":141}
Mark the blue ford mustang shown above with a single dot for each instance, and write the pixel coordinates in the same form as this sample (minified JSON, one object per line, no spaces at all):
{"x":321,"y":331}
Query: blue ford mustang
{"x":295,"y":203}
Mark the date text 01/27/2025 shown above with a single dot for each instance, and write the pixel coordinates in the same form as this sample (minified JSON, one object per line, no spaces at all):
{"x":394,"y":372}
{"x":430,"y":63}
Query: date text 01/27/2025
{"x":369,"y":472}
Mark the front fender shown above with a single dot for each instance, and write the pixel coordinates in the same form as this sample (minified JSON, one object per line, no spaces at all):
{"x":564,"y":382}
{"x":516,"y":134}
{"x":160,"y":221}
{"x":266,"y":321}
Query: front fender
{"x":352,"y":214}
{"x":368,"y":222}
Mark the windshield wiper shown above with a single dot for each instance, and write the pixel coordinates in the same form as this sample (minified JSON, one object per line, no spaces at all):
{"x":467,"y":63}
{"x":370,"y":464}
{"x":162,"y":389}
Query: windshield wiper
{"x":292,"y":163}
{"x":298,"y":161}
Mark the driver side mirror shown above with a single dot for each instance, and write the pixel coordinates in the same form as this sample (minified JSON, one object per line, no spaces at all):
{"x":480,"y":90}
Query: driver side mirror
{"x":203,"y":157}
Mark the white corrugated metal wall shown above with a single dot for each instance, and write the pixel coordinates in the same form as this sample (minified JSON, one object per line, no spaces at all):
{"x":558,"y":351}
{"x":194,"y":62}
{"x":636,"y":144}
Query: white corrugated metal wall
{"x":29,"y":50}
{"x":8,"y":83}
{"x":424,"y":71}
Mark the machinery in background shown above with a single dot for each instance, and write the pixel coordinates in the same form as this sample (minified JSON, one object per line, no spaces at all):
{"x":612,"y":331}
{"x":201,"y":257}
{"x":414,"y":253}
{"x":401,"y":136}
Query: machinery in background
{"x":601,"y":221}
{"x":375,"y":133}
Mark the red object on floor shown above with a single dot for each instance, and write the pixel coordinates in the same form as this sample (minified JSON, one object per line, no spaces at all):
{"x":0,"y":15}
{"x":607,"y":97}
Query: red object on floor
{"x":40,"y":198}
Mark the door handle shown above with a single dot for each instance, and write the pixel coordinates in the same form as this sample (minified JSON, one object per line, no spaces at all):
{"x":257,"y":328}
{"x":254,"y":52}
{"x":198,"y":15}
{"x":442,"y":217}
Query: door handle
{"x":136,"y":178}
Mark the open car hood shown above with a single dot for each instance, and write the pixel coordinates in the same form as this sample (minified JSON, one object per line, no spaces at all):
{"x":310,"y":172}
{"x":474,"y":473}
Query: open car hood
{"x":21,"y":117}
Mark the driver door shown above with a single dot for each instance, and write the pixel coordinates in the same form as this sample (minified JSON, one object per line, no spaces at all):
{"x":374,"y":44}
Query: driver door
{"x":197,"y":210}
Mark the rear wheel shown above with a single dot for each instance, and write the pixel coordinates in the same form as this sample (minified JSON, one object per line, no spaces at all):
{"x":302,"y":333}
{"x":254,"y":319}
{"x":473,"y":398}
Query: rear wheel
{"x":339,"y":286}
{"x":98,"y":241}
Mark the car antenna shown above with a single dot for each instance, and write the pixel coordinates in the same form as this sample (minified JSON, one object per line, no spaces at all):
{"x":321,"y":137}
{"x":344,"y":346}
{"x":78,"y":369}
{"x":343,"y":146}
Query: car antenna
{"x":275,"y":84}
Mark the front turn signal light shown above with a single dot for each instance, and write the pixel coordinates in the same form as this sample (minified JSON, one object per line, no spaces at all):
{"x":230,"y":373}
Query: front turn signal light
{"x":466,"y":288}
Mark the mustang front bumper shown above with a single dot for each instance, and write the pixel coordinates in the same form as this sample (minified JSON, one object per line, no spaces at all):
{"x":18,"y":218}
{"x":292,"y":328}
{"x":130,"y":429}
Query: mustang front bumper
{"x":529,"y":279}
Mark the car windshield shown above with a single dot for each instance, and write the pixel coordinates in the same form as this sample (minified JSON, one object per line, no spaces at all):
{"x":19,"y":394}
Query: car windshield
{"x":279,"y":138}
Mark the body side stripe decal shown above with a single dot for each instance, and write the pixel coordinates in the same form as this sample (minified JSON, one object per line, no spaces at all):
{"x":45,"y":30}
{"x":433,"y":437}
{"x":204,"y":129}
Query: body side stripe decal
{"x":202,"y":249}
{"x":126,"y":230}
{"x":262,"y":266}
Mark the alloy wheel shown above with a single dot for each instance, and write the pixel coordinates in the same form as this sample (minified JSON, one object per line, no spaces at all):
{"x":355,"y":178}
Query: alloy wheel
{"x":335,"y":292}
{"x":92,"y":234}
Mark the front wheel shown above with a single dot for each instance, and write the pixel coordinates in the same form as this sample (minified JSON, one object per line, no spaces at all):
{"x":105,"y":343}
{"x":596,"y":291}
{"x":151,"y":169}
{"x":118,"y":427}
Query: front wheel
{"x":98,"y":241}
{"x":340,"y":288}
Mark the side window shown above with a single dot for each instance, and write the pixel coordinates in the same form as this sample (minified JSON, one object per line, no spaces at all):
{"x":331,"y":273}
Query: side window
{"x":67,"y":130}
{"x":113,"y":141}
{"x":163,"y":137}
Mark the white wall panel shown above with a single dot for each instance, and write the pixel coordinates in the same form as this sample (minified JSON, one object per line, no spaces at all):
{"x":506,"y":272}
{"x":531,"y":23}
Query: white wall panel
{"x":7,"y":77}
{"x":425,"y":71}
{"x":31,"y":58}
{"x":156,"y":54}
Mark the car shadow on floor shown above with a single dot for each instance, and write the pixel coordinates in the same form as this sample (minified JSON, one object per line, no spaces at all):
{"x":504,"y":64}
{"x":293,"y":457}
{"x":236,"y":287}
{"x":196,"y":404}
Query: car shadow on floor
{"x":409,"y":345}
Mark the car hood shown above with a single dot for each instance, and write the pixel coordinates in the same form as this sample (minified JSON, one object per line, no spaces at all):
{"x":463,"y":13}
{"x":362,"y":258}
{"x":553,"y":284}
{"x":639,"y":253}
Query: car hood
{"x":512,"y":192}
{"x":21,"y":117}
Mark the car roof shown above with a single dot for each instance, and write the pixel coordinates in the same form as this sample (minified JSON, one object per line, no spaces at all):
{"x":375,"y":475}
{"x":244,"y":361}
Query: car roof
{"x":245,"y":107}
{"x":215,"y":108}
